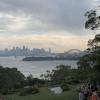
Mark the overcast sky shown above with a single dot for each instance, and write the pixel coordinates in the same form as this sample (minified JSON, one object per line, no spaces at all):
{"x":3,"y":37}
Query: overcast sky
{"x":56,"y":24}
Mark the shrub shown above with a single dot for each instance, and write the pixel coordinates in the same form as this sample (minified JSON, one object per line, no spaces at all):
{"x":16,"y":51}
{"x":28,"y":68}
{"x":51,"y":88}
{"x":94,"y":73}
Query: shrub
{"x":22,"y":93}
{"x":65,"y":87}
{"x":35,"y":90}
{"x":25,"y":91}
{"x":28,"y":90}
{"x":4,"y":91}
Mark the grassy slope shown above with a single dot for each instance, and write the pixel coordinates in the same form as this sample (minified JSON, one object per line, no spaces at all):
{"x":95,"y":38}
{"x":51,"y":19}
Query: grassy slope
{"x":45,"y":94}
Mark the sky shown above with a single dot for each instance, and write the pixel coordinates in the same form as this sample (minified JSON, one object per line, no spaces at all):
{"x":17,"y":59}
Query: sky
{"x":55,"y":24}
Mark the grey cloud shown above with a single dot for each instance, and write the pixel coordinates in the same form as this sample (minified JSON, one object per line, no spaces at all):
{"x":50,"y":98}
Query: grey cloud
{"x":65,"y":15}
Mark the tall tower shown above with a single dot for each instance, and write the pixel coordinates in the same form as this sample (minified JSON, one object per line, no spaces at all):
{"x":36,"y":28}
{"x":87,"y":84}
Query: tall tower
{"x":49,"y":50}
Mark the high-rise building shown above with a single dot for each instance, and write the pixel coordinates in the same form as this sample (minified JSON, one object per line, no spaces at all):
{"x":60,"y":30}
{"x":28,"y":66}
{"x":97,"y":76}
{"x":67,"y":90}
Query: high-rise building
{"x":49,"y":50}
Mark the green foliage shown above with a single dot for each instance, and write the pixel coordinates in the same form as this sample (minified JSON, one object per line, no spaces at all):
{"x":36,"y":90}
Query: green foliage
{"x":30,"y":80}
{"x":83,"y":64}
{"x":63,"y":73}
{"x":65,"y":87}
{"x":25,"y":91}
{"x":89,"y":65}
{"x":28,"y":90}
{"x":72,"y":79}
{"x":35,"y":90}
{"x":97,"y":68}
{"x":59,"y":74}
{"x":10,"y":79}
{"x":93,"y":21}
{"x":4,"y":91}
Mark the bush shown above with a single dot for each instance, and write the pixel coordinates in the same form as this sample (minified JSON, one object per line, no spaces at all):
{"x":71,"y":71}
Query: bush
{"x":4,"y":91}
{"x":22,"y":93}
{"x":35,"y":90}
{"x":25,"y":91}
{"x":28,"y":90}
{"x":65,"y":87}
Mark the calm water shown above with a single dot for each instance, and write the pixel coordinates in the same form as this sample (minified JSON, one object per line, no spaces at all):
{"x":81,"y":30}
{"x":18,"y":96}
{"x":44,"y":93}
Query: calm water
{"x":36,"y":68}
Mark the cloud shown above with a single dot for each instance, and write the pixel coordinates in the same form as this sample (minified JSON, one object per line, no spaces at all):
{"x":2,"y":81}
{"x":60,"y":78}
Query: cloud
{"x":36,"y":16}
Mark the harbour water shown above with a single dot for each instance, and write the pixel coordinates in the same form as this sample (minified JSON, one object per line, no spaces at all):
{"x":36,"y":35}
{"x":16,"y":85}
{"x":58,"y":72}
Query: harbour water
{"x":36,"y":68}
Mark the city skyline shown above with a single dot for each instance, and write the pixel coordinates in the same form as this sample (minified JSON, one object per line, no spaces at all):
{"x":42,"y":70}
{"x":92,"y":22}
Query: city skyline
{"x":57,"y":43}
{"x":24,"y":51}
{"x":48,"y":50}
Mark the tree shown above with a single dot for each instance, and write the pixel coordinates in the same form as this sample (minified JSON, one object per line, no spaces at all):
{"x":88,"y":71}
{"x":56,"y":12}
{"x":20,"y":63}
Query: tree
{"x":90,"y":63}
{"x":93,"y":23}
{"x":59,"y":74}
{"x":10,"y":79}
{"x":93,"y":20}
